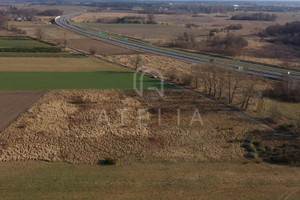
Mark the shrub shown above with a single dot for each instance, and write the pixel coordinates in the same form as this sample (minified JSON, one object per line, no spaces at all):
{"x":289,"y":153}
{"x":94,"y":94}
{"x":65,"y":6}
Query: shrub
{"x":249,"y":148}
{"x":230,"y":44}
{"x":173,"y":76}
{"x":234,"y":27}
{"x":92,"y":51}
{"x":250,"y":156}
{"x":107,"y":161}
{"x":187,"y":80}
{"x":286,"y":127}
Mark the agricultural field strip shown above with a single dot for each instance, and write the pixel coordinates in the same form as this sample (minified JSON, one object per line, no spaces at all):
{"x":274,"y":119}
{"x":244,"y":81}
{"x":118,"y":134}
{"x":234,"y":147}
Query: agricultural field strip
{"x":20,"y":46}
{"x":271,"y":72}
{"x":13,"y":103}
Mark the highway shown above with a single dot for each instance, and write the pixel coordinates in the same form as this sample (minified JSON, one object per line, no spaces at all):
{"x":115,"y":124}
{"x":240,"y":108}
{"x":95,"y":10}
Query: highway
{"x":265,"y":70}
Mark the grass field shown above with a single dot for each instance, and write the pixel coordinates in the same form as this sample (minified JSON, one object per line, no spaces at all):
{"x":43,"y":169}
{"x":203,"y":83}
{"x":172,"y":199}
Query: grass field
{"x":30,"y":54}
{"x":70,"y":80}
{"x":142,"y":180}
{"x":27,"y":43}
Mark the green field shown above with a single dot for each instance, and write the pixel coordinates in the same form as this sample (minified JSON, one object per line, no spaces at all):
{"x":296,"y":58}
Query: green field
{"x":159,"y":180}
{"x":40,"y":54}
{"x":71,"y":80}
{"x":26,"y":43}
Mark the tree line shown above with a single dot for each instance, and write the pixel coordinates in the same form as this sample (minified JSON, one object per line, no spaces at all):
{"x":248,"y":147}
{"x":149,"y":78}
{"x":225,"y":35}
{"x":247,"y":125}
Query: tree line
{"x":128,"y":20}
{"x":221,"y":83}
{"x":254,"y":16}
{"x":288,"y":33}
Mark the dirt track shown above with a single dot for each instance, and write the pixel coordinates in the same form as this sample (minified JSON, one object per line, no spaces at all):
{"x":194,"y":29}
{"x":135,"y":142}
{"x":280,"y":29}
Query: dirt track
{"x":13,"y":103}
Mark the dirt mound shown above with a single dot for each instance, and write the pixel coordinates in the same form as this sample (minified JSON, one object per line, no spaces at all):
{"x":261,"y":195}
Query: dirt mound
{"x":84,"y":126}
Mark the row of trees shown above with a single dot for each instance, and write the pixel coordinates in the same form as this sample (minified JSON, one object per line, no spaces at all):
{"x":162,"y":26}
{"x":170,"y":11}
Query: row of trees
{"x":221,"y":83}
{"x":255,"y":16}
{"x":128,"y":20}
{"x":288,"y":33}
{"x":30,"y":13}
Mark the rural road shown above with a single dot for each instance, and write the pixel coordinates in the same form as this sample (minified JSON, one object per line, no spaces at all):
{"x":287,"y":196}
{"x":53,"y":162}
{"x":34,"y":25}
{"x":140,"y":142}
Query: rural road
{"x":266,"y":70}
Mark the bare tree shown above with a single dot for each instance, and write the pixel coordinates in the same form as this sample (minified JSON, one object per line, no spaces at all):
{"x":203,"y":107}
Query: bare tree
{"x":187,"y":80}
{"x":151,"y":19}
{"x":92,"y":51}
{"x":220,"y":81}
{"x":248,"y":90}
{"x":39,"y":33}
{"x":3,"y":22}
{"x":65,"y":40}
{"x":136,"y":61}
{"x":233,"y":83}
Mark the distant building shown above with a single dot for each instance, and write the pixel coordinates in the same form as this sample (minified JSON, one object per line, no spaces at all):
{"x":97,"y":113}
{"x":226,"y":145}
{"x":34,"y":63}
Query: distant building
{"x":235,"y":6}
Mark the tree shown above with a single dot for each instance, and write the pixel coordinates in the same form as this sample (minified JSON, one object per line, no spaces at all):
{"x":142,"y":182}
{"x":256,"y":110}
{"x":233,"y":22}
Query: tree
{"x":288,"y":89}
{"x":233,"y":83}
{"x":92,"y":51}
{"x":220,"y":81}
{"x":39,"y":33}
{"x":248,"y":89}
{"x":136,"y":61}
{"x":65,"y":40}
{"x":3,"y":22}
{"x":151,"y":19}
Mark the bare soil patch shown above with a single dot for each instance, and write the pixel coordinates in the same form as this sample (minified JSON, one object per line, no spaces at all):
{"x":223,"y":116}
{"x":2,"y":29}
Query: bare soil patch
{"x":13,"y":103}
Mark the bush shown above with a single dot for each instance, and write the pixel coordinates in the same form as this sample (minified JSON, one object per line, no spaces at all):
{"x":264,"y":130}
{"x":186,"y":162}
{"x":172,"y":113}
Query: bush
{"x":250,"y":156}
{"x":107,"y":161}
{"x":173,"y":76}
{"x":231,"y":44}
{"x":249,"y":148}
{"x":286,"y":127}
{"x":234,"y":27}
{"x":187,"y":80}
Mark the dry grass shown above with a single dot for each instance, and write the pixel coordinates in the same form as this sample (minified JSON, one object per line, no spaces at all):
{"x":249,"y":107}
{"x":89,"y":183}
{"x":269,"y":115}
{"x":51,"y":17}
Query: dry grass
{"x":264,"y":52}
{"x":148,"y":32}
{"x":28,"y":64}
{"x":64,"y":125}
